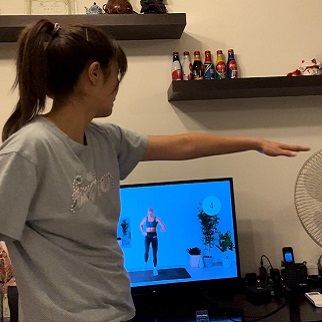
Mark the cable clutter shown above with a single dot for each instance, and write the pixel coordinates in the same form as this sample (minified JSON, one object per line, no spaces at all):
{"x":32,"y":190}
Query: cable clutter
{"x":271,"y":283}
{"x":279,"y":292}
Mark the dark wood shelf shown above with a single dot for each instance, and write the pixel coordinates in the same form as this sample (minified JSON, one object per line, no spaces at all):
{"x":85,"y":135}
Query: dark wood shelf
{"x":121,"y":26}
{"x":272,"y":86}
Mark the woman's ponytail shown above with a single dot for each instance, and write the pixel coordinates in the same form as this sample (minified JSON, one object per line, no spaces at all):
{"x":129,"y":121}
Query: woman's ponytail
{"x":31,"y":76}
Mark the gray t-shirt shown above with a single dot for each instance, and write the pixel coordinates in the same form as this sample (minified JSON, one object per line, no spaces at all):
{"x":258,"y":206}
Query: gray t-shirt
{"x":59,"y":201}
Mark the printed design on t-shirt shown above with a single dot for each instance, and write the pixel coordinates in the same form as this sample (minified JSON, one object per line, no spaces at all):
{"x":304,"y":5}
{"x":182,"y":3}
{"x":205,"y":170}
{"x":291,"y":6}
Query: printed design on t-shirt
{"x":89,"y":193}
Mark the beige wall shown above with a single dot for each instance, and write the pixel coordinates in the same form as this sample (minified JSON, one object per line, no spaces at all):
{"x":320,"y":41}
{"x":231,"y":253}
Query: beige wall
{"x":269,"y":38}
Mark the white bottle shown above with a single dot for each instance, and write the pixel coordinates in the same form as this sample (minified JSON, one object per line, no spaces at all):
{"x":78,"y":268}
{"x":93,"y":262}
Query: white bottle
{"x":186,"y":66}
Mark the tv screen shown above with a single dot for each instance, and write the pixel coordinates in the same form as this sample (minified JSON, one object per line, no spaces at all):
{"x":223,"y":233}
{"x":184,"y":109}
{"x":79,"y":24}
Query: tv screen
{"x":161,"y":222}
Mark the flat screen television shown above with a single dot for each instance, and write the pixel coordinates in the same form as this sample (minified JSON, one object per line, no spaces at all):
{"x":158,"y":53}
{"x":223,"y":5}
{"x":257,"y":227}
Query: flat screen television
{"x":189,"y":214}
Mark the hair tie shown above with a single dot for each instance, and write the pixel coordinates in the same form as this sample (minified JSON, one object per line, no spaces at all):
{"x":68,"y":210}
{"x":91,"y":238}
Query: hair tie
{"x":56,"y":28}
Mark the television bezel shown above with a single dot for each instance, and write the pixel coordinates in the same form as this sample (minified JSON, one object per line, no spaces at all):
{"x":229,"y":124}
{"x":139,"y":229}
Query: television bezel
{"x":212,"y":285}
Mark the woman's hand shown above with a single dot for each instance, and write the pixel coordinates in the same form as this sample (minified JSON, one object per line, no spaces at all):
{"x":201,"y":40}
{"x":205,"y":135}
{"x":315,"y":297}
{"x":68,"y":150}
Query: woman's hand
{"x":274,"y":149}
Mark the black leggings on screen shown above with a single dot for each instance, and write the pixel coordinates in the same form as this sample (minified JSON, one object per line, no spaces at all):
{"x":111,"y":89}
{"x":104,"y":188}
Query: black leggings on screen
{"x":151,"y":238}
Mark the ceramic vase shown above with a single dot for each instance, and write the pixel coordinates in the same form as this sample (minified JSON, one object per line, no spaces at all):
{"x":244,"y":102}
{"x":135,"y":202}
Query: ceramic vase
{"x":118,"y":7}
{"x":194,"y":260}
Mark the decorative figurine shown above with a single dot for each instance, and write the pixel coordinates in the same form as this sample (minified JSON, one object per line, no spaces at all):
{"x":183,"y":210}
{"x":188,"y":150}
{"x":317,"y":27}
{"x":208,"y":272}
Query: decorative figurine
{"x":118,"y":7}
{"x":308,"y":67}
{"x":94,"y":10}
{"x":152,"y":6}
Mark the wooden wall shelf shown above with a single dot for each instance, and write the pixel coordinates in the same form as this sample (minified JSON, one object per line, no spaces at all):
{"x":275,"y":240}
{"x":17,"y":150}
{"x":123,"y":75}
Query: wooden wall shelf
{"x":245,"y":88}
{"x":121,"y":26}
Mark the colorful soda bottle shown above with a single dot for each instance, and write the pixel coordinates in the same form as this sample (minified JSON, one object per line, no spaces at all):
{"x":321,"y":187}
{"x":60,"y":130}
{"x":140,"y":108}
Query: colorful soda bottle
{"x":220,"y":65}
{"x":197,"y":66}
{"x":209,"y":66}
{"x":176,"y":67}
{"x":186,"y":66}
{"x":231,"y":65}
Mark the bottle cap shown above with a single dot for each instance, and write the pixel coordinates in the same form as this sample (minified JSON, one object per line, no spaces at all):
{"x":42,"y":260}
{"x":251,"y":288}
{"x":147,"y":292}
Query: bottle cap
{"x":197,"y":52}
{"x":185,"y":53}
{"x":219,"y":51}
{"x":175,"y":53}
{"x":207,"y":52}
{"x":230,"y":50}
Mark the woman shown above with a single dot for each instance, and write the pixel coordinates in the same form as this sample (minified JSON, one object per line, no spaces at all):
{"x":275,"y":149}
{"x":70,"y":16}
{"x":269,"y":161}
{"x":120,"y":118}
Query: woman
{"x":151,"y":237}
{"x":60,"y":174}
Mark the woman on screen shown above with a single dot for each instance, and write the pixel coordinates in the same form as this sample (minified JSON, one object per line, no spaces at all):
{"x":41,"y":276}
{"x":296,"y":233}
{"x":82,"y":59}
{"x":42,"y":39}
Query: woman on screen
{"x":151,"y":237}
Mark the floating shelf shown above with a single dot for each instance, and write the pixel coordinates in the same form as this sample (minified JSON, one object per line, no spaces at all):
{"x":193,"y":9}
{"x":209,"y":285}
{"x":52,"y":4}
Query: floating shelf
{"x":120,"y":26}
{"x":245,"y":87}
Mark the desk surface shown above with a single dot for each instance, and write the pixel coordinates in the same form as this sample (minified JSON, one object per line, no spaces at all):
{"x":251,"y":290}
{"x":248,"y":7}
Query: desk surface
{"x":235,"y":307}
{"x":295,"y":308}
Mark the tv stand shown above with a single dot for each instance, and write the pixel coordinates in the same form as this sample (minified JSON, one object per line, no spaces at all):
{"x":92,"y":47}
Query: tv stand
{"x":182,"y":304}
{"x":294,"y":307}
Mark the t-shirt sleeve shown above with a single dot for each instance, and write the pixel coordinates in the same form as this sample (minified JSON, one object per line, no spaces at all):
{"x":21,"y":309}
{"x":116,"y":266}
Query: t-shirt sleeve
{"x":130,"y":147}
{"x":17,"y":186}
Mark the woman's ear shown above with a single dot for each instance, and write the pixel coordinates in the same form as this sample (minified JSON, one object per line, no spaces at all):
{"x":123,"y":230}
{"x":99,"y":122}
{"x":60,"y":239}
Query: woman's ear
{"x":94,"y":72}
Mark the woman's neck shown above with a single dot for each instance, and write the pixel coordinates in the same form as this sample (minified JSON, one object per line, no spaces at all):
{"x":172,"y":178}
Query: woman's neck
{"x":69,"y":119}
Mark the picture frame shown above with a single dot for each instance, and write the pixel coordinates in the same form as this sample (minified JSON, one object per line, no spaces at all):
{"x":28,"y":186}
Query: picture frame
{"x":50,"y":7}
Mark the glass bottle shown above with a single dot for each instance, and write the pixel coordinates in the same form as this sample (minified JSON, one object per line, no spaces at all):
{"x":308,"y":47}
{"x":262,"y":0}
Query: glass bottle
{"x":220,"y":65}
{"x":197,"y":66}
{"x":231,"y":65}
{"x":186,"y":66}
{"x":176,"y":67}
{"x":209,"y":72}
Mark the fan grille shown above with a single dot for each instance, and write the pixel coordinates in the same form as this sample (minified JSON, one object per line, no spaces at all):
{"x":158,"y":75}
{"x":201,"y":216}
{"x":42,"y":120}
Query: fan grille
{"x":308,"y":196}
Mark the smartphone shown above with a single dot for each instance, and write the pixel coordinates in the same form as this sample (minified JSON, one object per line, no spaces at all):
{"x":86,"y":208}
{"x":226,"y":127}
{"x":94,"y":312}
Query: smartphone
{"x":288,"y":255}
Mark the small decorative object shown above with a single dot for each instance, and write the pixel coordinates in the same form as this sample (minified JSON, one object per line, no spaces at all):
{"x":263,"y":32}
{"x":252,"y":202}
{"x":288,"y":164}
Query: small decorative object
{"x":295,"y":72}
{"x":308,"y":67}
{"x":50,"y":7}
{"x":6,"y":272}
{"x":119,"y":240}
{"x":209,"y":227}
{"x":194,"y":251}
{"x":94,"y":10}
{"x":225,"y":241}
{"x":125,"y":224}
{"x":225,"y":244}
{"x":118,"y":7}
{"x":152,"y":6}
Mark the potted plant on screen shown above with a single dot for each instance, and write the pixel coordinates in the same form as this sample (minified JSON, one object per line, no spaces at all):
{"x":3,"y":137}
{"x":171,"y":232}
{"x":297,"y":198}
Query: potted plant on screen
{"x":208,"y":228}
{"x":195,"y":253}
{"x":125,"y":225}
{"x":225,"y":244}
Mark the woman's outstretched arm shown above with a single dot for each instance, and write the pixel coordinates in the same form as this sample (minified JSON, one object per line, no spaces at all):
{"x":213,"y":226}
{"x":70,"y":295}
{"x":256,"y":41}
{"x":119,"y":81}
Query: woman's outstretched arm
{"x":197,"y":145}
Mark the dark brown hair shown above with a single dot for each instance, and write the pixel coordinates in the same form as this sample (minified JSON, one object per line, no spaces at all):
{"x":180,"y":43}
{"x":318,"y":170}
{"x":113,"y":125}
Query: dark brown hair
{"x":49,"y":62}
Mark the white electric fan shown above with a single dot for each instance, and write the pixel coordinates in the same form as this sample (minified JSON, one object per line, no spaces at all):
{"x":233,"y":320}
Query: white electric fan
{"x":308,"y":196}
